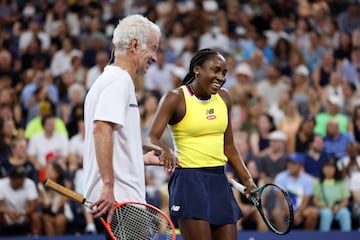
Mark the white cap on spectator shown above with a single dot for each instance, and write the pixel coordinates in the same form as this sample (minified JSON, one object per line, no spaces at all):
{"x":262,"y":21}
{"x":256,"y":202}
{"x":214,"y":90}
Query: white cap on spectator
{"x":244,"y":68}
{"x":277,"y":135}
{"x":336,"y":100}
{"x":302,"y":70}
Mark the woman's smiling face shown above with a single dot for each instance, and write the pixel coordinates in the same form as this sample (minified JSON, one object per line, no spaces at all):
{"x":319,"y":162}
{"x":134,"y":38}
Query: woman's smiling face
{"x":212,"y":74}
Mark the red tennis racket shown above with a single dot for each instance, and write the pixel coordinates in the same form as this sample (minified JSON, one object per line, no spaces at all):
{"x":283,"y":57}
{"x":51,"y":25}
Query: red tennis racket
{"x":131,"y":220}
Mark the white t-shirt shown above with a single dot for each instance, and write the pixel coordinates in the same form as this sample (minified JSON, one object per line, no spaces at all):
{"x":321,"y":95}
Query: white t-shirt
{"x":112,"y":98}
{"x":40,"y":146}
{"x":17,"y":199}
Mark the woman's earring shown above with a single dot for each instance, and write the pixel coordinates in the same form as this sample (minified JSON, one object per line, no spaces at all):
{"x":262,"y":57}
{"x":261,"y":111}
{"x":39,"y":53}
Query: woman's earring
{"x":196,"y":75}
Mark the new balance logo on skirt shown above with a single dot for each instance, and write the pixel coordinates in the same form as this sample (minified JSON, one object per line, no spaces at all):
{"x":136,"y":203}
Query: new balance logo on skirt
{"x":175,"y":208}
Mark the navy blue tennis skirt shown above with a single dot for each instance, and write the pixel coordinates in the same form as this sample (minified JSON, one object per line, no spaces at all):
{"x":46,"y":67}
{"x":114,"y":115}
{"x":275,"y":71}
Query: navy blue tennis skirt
{"x":202,"y":193}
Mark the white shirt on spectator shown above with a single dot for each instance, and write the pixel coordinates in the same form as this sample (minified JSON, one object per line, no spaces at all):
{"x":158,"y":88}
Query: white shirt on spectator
{"x":17,"y":199}
{"x":40,"y":146}
{"x":26,"y":37}
{"x":271,"y":92}
{"x":61,"y":62}
{"x":159,"y":78}
{"x":214,"y":39}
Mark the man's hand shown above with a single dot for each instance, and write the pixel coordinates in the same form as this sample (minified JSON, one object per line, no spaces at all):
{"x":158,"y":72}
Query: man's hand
{"x":105,"y":204}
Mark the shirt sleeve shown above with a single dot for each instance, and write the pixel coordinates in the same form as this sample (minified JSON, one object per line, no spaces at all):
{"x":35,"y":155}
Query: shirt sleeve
{"x":116,"y":93}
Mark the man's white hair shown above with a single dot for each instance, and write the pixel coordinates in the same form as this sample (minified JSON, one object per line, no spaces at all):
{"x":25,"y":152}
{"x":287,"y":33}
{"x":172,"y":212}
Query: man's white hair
{"x":133,"y":27}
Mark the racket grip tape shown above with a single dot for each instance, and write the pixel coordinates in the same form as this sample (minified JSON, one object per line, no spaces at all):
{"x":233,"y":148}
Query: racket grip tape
{"x":241,"y":188}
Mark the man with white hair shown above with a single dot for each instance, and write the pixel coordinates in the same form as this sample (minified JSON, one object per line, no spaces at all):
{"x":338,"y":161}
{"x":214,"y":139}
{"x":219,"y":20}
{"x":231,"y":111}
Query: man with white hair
{"x":113,"y":156}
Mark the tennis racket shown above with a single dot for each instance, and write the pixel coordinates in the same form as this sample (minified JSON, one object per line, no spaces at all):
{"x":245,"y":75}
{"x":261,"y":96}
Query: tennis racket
{"x":130,"y":221}
{"x":273,"y":204}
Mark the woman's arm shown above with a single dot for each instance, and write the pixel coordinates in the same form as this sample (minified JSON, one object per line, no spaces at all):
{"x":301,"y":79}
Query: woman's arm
{"x":171,"y":109}
{"x":231,"y":151}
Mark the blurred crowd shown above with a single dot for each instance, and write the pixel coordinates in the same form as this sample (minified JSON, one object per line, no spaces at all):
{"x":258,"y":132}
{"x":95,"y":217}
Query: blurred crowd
{"x":294,"y":69}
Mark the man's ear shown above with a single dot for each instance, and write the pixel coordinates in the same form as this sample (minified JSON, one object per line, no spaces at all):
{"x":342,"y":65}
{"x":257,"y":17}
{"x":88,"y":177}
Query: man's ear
{"x":133,"y":44}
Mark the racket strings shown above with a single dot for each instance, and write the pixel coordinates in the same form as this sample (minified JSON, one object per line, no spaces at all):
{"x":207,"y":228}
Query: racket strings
{"x":131,"y":222}
{"x":277,"y":209}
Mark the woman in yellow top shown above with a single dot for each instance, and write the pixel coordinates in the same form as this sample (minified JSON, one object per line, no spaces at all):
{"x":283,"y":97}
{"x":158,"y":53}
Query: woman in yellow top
{"x":198,"y":113}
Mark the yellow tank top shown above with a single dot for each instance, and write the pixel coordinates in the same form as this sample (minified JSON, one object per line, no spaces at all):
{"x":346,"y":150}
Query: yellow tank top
{"x":199,"y":136}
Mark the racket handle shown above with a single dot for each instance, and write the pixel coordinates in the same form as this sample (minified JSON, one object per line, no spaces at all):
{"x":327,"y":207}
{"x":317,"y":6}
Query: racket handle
{"x":65,"y":191}
{"x":241,"y":188}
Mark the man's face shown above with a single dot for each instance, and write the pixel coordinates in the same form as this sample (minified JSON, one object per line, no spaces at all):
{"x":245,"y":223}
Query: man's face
{"x":148,"y":55}
{"x":17,"y":182}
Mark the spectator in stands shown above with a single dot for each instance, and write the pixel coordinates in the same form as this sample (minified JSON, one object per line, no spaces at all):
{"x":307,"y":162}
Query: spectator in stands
{"x":354,"y":127}
{"x":259,"y":65}
{"x":35,"y":28}
{"x":349,"y":67}
{"x":336,"y":141}
{"x":304,"y":135}
{"x":349,"y":20}
{"x":331,"y":197}
{"x":334,"y":88}
{"x":259,"y":139}
{"x":255,"y":107}
{"x":61,"y":61}
{"x":315,"y":156}
{"x":244,"y":77}
{"x":271,"y":87}
{"x":46,"y":108}
{"x":321,"y":74}
{"x":7,"y":134}
{"x":298,"y":184}
{"x":314,"y":52}
{"x":77,"y":68}
{"x":158,"y":77}
{"x":75,"y":97}
{"x":343,"y":51}
{"x":350,"y":163}
{"x":282,"y":51}
{"x":9,"y":97}
{"x":350,"y":99}
{"x":290,"y":124}
{"x":18,"y":157}
{"x":300,"y":85}
{"x":331,"y":35}
{"x":190,"y":48}
{"x":54,"y":206}
{"x":59,"y":14}
{"x":275,"y":159}
{"x":48,"y":143}
{"x":102,"y":59}
{"x":275,"y":32}
{"x":333,"y":106}
{"x":277,"y":111}
{"x":40,"y":78}
{"x":300,"y":37}
{"x":260,"y":43}
{"x":76,"y":147}
{"x":354,"y":188}
{"x":18,"y":201}
{"x":314,"y":105}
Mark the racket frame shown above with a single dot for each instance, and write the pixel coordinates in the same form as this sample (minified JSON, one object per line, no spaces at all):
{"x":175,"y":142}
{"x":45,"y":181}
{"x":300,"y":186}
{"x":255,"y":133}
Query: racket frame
{"x":255,"y":198}
{"x":81,"y":199}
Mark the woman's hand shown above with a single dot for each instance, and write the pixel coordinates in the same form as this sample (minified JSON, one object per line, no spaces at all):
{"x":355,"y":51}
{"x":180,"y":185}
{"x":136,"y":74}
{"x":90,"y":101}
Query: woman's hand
{"x":250,"y":185}
{"x":169,"y":160}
